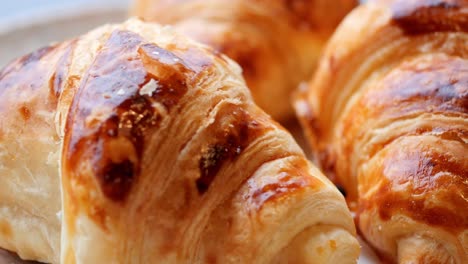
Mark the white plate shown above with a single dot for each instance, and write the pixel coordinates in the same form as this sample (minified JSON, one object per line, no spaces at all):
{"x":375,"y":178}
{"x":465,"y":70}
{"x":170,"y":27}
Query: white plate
{"x":21,"y":34}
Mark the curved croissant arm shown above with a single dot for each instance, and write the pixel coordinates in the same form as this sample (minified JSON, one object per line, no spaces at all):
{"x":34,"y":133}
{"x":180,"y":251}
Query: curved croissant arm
{"x":277,"y":43}
{"x":161,"y":155}
{"x":388,"y":114}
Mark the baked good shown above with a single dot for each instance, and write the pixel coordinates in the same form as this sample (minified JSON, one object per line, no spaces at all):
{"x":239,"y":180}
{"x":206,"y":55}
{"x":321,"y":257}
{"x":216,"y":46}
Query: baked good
{"x":133,"y":144}
{"x":387,"y":113}
{"x":277,"y":43}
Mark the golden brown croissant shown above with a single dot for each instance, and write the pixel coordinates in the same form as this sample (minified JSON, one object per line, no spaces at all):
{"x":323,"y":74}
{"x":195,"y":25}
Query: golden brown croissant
{"x":387,"y":113}
{"x":160,"y":155}
{"x":276,"y":43}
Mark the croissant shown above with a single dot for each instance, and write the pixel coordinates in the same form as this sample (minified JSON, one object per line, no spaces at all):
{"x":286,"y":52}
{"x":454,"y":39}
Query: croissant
{"x":277,"y":43}
{"x":132,"y":144}
{"x":387,"y":113}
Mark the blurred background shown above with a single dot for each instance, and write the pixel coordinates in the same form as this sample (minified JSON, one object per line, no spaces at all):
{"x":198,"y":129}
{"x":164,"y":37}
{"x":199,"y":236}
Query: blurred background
{"x":26,"y":25}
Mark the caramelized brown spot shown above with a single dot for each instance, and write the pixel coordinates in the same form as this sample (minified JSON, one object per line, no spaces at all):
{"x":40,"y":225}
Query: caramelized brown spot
{"x":172,"y":73}
{"x":231,"y":142}
{"x":210,"y":163}
{"x":421,"y":170}
{"x":428,"y":16}
{"x":412,"y":176}
{"x":437,"y":84}
{"x":111,"y":118}
{"x":5,"y":229}
{"x":25,"y":113}
{"x":293,"y":178}
{"x":118,"y":73}
{"x":135,"y":117}
{"x":424,"y":84}
{"x":117,"y":179}
{"x":391,"y":203}
{"x":109,"y":112}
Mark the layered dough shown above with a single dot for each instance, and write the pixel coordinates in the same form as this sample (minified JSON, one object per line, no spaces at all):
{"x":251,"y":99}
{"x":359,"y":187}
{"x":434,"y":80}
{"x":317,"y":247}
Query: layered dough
{"x":132,"y":144}
{"x":387,"y":114}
